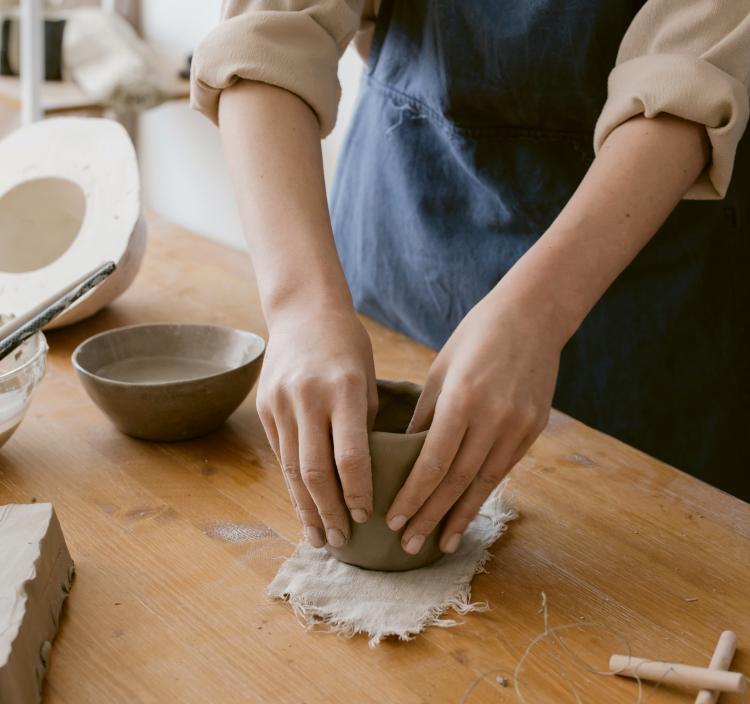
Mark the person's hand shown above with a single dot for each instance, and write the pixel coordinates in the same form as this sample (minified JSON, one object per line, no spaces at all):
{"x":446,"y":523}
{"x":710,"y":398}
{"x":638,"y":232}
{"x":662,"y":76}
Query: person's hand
{"x":486,"y":399}
{"x":316,"y":399}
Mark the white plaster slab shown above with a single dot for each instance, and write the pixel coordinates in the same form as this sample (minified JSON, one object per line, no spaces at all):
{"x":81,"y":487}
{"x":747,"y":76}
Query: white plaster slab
{"x":36,"y":571}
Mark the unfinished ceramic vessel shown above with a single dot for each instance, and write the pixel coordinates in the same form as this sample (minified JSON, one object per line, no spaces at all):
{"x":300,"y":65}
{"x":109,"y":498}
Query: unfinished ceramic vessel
{"x":373,"y":545}
{"x":69,"y":201}
{"x":169,"y":382}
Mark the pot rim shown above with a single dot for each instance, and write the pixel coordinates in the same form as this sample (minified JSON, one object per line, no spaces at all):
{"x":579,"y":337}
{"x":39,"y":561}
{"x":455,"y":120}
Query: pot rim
{"x":163,"y":384}
{"x":385,"y":434}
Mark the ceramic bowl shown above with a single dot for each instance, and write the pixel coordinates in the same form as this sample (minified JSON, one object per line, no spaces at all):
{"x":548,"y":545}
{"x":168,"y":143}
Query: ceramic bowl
{"x":169,"y":382}
{"x":20,"y":373}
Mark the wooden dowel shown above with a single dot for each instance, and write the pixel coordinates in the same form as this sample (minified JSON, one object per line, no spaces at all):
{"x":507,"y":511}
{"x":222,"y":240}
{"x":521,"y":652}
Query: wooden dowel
{"x":15,"y":331}
{"x":676,"y":673}
{"x":721,"y":660}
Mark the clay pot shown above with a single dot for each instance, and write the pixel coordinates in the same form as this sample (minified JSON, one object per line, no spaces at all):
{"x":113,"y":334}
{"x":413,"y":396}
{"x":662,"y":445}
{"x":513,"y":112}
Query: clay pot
{"x":373,"y":545}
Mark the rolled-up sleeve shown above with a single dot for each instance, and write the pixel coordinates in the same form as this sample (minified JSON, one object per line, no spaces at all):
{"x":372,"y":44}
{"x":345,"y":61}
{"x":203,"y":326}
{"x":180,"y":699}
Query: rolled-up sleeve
{"x":691,"y":59}
{"x":292,"y":44}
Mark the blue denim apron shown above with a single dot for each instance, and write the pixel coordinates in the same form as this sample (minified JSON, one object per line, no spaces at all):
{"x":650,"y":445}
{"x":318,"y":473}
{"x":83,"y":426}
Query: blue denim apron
{"x":473,"y":127}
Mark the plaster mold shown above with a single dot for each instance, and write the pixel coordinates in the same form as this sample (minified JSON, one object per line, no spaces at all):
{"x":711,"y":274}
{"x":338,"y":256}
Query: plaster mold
{"x":69,"y":201}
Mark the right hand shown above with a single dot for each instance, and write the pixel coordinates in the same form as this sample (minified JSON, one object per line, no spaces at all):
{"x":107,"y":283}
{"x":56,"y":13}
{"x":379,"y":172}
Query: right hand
{"x":317,"y":399}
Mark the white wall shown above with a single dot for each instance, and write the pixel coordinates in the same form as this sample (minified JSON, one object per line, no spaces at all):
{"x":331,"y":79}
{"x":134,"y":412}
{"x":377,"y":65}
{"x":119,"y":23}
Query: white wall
{"x":350,"y":68}
{"x":183,"y":172}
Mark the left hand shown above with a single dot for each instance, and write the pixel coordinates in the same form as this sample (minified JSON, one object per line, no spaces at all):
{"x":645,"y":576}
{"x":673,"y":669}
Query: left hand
{"x":486,"y":399}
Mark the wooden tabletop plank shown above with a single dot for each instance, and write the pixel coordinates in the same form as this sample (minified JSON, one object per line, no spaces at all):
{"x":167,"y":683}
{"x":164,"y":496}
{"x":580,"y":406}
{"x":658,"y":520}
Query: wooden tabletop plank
{"x":175,"y":544}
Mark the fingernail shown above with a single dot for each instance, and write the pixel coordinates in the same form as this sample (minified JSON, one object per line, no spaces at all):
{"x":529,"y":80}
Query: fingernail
{"x":335,"y":537}
{"x":451,"y":545}
{"x":415,"y":544}
{"x":359,"y":515}
{"x":397,"y":522}
{"x":314,"y":536}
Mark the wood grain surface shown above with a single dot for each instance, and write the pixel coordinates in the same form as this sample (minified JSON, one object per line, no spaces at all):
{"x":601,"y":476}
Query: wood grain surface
{"x":175,"y":544}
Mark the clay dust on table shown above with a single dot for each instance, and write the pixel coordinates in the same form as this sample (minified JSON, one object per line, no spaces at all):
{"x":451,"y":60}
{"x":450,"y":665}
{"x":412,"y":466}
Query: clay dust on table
{"x":239,"y":532}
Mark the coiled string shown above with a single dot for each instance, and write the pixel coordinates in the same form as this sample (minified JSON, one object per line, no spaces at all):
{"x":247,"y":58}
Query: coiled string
{"x":523,"y":689}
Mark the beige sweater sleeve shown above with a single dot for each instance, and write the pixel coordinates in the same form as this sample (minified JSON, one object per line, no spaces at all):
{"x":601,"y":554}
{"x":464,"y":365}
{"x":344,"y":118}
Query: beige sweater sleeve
{"x":293,"y":44}
{"x":691,"y":59}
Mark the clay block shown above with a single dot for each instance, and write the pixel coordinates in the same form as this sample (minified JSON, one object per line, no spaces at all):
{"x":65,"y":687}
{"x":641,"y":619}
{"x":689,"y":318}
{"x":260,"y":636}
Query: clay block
{"x":35,"y":577}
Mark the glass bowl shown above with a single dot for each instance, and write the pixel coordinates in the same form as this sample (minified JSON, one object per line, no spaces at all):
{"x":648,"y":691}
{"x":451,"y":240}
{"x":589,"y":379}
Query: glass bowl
{"x":20,"y":373}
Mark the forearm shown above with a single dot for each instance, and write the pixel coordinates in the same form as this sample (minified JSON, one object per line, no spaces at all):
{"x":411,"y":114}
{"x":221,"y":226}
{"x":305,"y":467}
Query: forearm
{"x":272,"y":143}
{"x":638,"y":177}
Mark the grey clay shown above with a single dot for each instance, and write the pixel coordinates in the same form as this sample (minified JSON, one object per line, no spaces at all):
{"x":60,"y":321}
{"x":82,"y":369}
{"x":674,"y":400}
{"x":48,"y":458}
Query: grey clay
{"x":373,"y":545}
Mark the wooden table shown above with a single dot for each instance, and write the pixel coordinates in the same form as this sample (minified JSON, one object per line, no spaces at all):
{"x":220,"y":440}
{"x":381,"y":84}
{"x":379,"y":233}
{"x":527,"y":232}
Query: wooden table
{"x":175,"y":544}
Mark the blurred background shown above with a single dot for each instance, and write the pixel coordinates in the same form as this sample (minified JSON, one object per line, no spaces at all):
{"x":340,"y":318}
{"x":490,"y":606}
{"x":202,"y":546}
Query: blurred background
{"x":182,"y":169}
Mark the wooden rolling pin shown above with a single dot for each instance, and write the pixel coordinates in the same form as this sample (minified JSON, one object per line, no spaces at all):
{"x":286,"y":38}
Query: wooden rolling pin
{"x":721,"y":660}
{"x":678,"y":674}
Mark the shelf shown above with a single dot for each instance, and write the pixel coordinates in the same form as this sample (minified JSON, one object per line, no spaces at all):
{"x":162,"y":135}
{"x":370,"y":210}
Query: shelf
{"x":66,"y":96}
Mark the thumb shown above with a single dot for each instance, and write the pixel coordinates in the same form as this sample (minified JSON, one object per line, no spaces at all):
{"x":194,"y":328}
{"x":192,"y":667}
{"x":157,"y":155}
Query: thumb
{"x":372,"y":401}
{"x":425,"y":409}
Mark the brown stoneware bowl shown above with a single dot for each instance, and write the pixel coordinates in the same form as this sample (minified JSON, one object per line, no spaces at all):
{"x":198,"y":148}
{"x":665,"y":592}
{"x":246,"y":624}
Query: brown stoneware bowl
{"x":373,"y":545}
{"x":169,"y":381}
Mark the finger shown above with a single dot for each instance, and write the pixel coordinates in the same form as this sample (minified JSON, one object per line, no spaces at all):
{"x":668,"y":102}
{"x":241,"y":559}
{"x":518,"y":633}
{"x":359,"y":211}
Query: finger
{"x":351,"y":450}
{"x":472,"y":454}
{"x":269,"y":427}
{"x":372,"y":403}
{"x":304,"y":505}
{"x":425,"y":409}
{"x":440,"y":448}
{"x":319,"y":475}
{"x":499,"y":461}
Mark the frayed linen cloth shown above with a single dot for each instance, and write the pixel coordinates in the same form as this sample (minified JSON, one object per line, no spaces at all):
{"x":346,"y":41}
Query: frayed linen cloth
{"x":349,"y":600}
